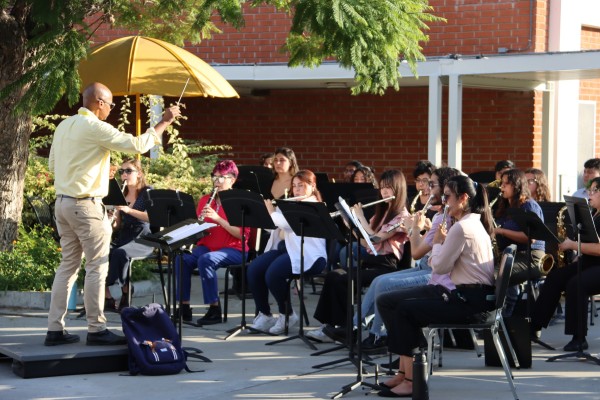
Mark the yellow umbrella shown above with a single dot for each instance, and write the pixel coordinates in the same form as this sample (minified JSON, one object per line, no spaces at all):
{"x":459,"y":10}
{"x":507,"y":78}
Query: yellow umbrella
{"x":136,"y":65}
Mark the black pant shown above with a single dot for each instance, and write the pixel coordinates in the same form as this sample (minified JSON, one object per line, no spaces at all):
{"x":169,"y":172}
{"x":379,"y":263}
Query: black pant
{"x":405,"y":312}
{"x":333,"y":302}
{"x":565,"y":279}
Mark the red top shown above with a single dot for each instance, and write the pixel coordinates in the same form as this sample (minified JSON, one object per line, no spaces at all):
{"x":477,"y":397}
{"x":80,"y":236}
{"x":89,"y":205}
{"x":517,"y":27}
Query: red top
{"x":218,"y":236}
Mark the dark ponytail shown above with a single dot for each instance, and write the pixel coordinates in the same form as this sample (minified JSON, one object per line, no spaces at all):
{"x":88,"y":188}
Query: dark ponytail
{"x":478,"y":200}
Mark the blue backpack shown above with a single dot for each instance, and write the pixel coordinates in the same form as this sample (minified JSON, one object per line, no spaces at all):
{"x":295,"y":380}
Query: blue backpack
{"x":153,"y":341}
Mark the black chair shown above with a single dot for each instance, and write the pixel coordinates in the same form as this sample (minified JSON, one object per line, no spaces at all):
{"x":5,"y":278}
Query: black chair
{"x":43,"y":214}
{"x":494,"y":323}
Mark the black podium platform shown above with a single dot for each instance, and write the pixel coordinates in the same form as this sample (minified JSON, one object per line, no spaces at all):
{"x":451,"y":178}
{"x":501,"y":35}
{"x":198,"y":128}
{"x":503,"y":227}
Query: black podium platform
{"x":31,"y":359}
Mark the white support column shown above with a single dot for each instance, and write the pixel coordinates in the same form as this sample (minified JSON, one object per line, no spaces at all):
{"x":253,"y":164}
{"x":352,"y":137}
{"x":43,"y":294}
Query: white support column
{"x":549,"y":152}
{"x":434,"y":148}
{"x":455,"y":122}
{"x":156,"y":112}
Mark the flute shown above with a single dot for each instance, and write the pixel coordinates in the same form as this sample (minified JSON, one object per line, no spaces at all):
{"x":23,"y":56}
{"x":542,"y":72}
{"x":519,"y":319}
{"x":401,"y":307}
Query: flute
{"x":210,"y":200}
{"x":445,"y":216}
{"x":304,"y":196}
{"x":397,"y":225}
{"x":338,"y":213}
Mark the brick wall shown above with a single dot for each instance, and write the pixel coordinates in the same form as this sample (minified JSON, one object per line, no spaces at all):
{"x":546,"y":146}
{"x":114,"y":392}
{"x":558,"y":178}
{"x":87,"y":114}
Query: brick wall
{"x":327,"y":128}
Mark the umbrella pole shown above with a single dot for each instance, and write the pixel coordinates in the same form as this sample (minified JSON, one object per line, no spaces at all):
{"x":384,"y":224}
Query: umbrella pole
{"x":138,"y":119}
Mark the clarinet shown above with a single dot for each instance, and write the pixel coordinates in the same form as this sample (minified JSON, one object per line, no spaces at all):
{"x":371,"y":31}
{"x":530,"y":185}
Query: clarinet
{"x":208,"y":203}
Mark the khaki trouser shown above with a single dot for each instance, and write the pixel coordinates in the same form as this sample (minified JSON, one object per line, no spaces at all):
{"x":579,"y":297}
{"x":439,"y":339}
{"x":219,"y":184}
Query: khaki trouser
{"x":84,"y":230}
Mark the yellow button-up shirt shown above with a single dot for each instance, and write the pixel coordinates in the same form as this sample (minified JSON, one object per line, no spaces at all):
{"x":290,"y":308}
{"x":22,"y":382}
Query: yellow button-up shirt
{"x":80,"y":153}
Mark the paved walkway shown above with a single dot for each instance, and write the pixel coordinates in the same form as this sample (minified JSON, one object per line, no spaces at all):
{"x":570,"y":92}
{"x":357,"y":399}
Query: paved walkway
{"x":244,"y":368}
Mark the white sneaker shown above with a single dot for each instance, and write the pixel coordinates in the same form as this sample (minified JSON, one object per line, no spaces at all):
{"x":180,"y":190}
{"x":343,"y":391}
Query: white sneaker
{"x":318,"y":335}
{"x":263,"y":322}
{"x":279,"y":326}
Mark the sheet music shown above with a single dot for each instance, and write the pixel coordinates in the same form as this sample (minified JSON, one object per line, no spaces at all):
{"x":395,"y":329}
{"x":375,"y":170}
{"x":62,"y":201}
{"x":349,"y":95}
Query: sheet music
{"x":357,"y":223}
{"x":187,"y":231}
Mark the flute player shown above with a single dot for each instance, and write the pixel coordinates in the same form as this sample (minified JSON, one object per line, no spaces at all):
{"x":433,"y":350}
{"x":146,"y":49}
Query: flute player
{"x":80,"y":161}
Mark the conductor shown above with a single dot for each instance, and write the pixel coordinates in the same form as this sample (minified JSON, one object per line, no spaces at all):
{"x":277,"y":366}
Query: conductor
{"x":80,"y":161}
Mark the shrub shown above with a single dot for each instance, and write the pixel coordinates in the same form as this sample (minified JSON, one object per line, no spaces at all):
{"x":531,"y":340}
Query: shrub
{"x":32,"y":263}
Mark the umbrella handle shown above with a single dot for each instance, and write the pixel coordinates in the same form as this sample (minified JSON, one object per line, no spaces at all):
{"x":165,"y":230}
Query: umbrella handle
{"x":183,"y":91}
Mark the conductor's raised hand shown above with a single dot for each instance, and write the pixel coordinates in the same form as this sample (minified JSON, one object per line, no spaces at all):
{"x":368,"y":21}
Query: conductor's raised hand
{"x":171,"y":113}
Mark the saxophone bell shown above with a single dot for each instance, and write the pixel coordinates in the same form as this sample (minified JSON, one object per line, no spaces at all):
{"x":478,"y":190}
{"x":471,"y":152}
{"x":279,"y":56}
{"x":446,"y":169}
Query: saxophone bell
{"x":546,"y":263}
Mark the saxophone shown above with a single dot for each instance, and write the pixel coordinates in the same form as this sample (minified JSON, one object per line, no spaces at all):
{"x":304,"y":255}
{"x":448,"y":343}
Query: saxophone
{"x":561,"y":233}
{"x":413,"y":204}
{"x":547,"y":261}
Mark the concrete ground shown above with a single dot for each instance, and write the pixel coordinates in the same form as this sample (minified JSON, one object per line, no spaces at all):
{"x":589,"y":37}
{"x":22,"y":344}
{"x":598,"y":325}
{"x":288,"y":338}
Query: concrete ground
{"x":244,"y":368}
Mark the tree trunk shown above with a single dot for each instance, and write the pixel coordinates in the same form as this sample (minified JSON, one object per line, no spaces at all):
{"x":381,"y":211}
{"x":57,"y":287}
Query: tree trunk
{"x":15,"y":130}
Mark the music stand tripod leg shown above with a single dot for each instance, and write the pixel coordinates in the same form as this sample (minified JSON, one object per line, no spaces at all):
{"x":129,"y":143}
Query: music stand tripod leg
{"x":300,"y":334}
{"x":243,"y":325}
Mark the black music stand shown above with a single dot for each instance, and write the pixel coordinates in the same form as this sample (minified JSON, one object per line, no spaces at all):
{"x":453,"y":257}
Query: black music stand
{"x":166,"y":208}
{"x":354,"y":297}
{"x":307,"y":219}
{"x":171,"y":240}
{"x":535,"y":229}
{"x":583,"y":224}
{"x":115,"y":195}
{"x":247,"y":210}
{"x":255,"y":178}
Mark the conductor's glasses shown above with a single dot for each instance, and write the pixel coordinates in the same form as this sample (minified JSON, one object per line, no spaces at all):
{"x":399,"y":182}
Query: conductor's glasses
{"x":111,"y":105}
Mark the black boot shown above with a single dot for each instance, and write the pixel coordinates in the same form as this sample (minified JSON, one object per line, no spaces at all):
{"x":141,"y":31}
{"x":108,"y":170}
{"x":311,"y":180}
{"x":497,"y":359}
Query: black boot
{"x":212,"y":316}
{"x":186,"y":313}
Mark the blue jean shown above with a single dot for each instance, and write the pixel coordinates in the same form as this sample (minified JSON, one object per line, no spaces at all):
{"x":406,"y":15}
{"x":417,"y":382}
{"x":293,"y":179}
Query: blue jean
{"x":417,"y":276}
{"x":270,"y":272}
{"x":207,"y":263}
{"x":355,"y":249}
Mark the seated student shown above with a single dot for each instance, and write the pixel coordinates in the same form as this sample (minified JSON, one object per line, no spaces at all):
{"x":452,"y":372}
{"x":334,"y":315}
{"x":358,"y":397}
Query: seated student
{"x":285,"y":166}
{"x":331,"y":308}
{"x":131,"y":222}
{"x":515,"y":195}
{"x":422,"y":174}
{"x":538,"y":185}
{"x":349,"y":169}
{"x":364,"y":174}
{"x":465,"y":253}
{"x":561,"y":280}
{"x":271,"y":270}
{"x":591,"y":170}
{"x":419,"y":275}
{"x":266,"y":160}
{"x":223,"y":246}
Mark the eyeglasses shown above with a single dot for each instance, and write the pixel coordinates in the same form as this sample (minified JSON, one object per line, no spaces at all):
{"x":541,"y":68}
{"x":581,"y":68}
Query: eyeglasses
{"x":126,"y":171}
{"x":433,"y":184}
{"x":593,"y":191}
{"x":111,"y":105}
{"x":424,"y":181}
{"x":219,"y":178}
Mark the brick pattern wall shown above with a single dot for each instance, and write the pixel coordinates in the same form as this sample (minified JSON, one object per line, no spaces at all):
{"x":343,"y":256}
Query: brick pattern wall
{"x":327,"y":128}
{"x":589,"y":89}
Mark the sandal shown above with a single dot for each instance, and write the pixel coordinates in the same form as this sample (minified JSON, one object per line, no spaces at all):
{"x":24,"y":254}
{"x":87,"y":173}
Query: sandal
{"x":389,"y":393}
{"x":383,"y":385}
